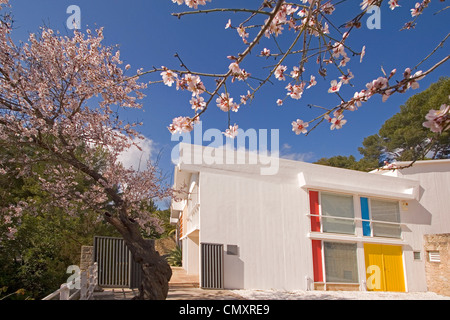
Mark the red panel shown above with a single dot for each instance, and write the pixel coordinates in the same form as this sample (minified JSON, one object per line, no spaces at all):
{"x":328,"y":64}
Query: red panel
{"x":314,"y":209}
{"x":317,"y":260}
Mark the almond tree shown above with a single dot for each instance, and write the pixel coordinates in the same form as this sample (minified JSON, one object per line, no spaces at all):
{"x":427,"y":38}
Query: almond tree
{"x":307,"y":44}
{"x":57,"y":95}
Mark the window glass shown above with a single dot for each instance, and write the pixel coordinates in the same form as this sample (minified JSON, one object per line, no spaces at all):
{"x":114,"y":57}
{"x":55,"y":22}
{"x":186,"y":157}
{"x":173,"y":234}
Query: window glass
{"x":334,"y":207}
{"x":388,"y":211}
{"x":340,"y":262}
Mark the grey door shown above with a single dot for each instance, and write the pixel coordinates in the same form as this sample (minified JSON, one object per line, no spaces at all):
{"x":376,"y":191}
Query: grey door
{"x":212,"y":266}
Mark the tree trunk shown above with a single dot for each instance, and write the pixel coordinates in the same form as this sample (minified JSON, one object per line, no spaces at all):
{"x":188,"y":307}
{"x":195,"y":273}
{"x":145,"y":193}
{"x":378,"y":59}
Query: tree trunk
{"x":156,"y":272}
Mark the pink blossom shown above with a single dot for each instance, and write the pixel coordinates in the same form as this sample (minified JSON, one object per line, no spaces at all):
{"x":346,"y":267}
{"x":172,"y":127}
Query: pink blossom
{"x":181,"y":124}
{"x":386,"y":95}
{"x":325,"y":28}
{"x":417,"y":10}
{"x":377,"y":84}
{"x":338,"y":49}
{"x":279,"y":72}
{"x":359,"y":97}
{"x":228,"y":24}
{"x":193,"y":3}
{"x":295,"y":91}
{"x":312,"y":82}
{"x":344,"y":60}
{"x":234,"y":67}
{"x":438,"y":120}
{"x":299,"y":126}
{"x":168,"y":77}
{"x":242,"y":33}
{"x":295,"y":73}
{"x":265,"y":52}
{"x":225,"y":103}
{"x":367,"y":3}
{"x":328,"y":8}
{"x":335,"y":86}
{"x":393,"y":4}
{"x":194,"y":84}
{"x":346,"y":77}
{"x":337,"y":123}
{"x":363,"y":53}
{"x":237,"y":72}
{"x":417,"y":76}
{"x":279,"y":102}
{"x":245,"y":98}
{"x":302,"y":13}
{"x":232,"y":131}
{"x":198,"y":103}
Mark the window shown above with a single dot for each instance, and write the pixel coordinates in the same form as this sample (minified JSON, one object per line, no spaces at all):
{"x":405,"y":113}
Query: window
{"x":417,"y":255}
{"x":337,"y":213}
{"x":232,"y":250}
{"x":340,"y":262}
{"x":434,"y":256}
{"x":381,"y":218}
{"x":385,"y":211}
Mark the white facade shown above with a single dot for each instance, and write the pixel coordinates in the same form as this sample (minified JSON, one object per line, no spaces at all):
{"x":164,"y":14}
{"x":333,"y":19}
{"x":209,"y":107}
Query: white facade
{"x":268,"y":218}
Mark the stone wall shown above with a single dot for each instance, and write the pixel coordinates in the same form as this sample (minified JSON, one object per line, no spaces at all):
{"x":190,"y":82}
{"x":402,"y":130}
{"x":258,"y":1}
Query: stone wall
{"x":438,"y":273}
{"x":87,"y":257}
{"x":164,"y":246}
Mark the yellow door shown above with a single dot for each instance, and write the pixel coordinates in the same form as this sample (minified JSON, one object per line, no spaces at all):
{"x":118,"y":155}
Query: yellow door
{"x":393,"y":268}
{"x":374,"y":267}
{"x":384,"y":267}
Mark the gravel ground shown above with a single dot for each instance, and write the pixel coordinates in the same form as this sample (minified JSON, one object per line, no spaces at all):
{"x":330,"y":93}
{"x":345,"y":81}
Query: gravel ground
{"x":335,"y":295}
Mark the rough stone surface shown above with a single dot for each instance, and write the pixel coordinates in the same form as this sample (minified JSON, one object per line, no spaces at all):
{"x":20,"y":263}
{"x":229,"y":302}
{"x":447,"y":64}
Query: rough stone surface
{"x":438,"y":273}
{"x":87,"y":257}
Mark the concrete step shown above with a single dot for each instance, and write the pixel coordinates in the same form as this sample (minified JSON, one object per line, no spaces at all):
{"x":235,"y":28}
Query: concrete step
{"x":180,"y":279}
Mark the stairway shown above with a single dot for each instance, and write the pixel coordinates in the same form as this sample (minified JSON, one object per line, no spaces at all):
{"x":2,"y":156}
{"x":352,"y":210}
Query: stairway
{"x":180,"y":279}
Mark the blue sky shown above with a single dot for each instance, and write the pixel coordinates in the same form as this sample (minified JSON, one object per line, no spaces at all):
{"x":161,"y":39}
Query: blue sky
{"x":149,"y":36}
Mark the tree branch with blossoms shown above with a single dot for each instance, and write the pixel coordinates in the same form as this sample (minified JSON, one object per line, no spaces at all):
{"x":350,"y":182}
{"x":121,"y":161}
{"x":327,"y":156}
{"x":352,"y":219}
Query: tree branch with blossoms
{"x":57,"y":101}
{"x":310,"y":22}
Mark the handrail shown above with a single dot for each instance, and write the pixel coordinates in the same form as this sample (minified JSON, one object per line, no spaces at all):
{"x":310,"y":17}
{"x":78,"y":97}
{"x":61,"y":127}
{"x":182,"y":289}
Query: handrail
{"x":88,"y":281}
{"x":356,"y":219}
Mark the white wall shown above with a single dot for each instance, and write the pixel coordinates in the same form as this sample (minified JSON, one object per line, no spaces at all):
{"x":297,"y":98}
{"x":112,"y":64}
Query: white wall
{"x":271,"y":234}
{"x":266,"y":217}
{"x":431,"y":215}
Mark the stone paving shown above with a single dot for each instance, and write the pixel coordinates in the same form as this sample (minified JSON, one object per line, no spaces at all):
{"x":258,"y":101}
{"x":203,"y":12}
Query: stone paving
{"x":185,"y":287}
{"x":181,"y":287}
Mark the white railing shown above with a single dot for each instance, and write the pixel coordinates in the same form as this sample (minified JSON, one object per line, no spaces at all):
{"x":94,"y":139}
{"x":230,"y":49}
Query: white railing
{"x":87,"y":280}
{"x":192,"y":208}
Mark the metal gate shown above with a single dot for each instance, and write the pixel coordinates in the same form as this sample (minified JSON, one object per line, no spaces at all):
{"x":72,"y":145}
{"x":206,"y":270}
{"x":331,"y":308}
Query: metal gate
{"x":212,"y":266}
{"x":116,"y":266}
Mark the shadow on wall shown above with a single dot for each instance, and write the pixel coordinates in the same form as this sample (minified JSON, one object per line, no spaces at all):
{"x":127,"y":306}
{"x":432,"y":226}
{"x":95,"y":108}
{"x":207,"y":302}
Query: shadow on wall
{"x":233,"y":268}
{"x":416,"y":213}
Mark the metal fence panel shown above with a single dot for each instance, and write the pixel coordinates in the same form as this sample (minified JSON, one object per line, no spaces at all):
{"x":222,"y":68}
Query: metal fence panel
{"x":116,"y":266}
{"x":212,"y":266}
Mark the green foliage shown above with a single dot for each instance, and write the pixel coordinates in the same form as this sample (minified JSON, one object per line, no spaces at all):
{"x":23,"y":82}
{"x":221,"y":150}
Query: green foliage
{"x":47,"y":241}
{"x":403,"y":137}
{"x":44,"y":246}
{"x":339,"y":162}
{"x":164,"y":216}
{"x":175,"y":257}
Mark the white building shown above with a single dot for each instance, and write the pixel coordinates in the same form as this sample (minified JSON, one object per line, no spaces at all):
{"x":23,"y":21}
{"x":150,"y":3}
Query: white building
{"x":308,"y":227}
